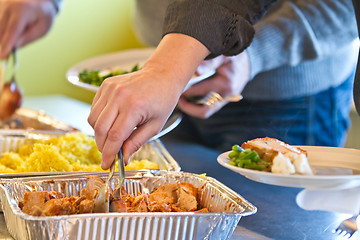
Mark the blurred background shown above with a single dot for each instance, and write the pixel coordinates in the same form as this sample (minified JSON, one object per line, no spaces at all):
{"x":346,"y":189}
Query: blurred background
{"x":82,"y":31}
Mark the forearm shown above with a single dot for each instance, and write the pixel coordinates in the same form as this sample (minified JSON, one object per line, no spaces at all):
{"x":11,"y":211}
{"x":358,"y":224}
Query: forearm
{"x":177,"y":57}
{"x":298,"y":31}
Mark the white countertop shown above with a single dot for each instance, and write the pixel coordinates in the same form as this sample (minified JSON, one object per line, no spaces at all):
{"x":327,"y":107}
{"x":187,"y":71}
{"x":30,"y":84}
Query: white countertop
{"x":68,"y":110}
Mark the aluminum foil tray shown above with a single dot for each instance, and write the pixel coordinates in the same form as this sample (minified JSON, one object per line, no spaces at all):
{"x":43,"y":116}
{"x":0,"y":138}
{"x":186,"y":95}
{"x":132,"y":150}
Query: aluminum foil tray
{"x":11,"y":140}
{"x":26,"y":118}
{"x":226,"y":208}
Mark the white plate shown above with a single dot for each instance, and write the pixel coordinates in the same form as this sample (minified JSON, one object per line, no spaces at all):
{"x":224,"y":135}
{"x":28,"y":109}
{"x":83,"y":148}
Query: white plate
{"x":122,"y":60}
{"x":335,"y":168}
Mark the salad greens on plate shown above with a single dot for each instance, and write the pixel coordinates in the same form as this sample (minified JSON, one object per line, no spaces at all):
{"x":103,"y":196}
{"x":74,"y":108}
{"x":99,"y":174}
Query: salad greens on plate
{"x":96,"y":77}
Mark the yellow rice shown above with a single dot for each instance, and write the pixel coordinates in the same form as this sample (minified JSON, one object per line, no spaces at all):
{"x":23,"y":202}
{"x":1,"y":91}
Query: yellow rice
{"x":70,"y":152}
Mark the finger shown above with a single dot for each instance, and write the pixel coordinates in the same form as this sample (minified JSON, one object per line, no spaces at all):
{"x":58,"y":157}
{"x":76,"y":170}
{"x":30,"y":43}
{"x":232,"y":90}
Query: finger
{"x":96,"y":108}
{"x":14,"y":30}
{"x":4,"y":20}
{"x":202,"y":88}
{"x":4,"y":16}
{"x":104,"y":122}
{"x":196,"y":110}
{"x":212,"y":64}
{"x":102,"y":91}
{"x":38,"y":22}
{"x":119,"y":131}
{"x":30,"y":34}
{"x":96,"y":97}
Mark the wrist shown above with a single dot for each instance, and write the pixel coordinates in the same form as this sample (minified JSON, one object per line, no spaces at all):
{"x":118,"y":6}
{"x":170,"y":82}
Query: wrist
{"x":177,"y":57}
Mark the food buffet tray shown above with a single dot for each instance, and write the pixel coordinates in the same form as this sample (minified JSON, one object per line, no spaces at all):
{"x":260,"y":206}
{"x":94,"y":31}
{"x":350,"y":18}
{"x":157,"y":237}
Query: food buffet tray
{"x":12,"y":140}
{"x":226,"y":208}
{"x":26,"y":118}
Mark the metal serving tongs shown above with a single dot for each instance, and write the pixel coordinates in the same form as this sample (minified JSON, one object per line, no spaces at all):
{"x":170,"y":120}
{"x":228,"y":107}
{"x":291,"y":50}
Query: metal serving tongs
{"x":117,"y":190}
{"x":102,"y":200}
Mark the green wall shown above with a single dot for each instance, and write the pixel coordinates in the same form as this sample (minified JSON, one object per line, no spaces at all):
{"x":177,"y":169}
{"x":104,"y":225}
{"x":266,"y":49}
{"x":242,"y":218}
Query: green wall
{"x":83,"y":29}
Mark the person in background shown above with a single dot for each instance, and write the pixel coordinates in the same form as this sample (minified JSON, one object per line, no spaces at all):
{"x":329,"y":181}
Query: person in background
{"x":129,"y":109}
{"x":296,"y":77}
{"x":22,"y":22}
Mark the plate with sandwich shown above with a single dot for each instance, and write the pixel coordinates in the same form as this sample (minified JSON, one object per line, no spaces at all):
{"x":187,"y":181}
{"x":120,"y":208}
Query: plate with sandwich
{"x":271,"y":161}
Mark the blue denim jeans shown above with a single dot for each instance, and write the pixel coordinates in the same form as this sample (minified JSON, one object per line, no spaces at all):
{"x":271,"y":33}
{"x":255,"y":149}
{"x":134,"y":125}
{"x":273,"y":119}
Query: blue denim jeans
{"x":320,"y":120}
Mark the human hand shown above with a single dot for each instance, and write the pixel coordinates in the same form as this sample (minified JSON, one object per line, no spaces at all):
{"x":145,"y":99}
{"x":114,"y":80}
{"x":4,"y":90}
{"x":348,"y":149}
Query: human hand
{"x":23,"y":21}
{"x":232,"y":74}
{"x":129,"y":109}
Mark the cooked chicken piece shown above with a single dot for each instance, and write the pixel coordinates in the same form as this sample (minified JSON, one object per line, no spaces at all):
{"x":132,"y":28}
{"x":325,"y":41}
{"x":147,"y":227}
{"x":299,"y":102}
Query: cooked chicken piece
{"x":36,"y":211}
{"x":118,"y":206}
{"x":86,"y":206}
{"x":165,"y":194}
{"x":77,"y":200}
{"x":187,"y":197}
{"x":33,"y":201}
{"x":160,"y":207}
{"x":140,"y":204}
{"x":202,"y":210}
{"x":180,"y":197}
{"x":85,"y":193}
{"x":129,"y":198}
{"x":56,"y":207}
{"x":268,"y":148}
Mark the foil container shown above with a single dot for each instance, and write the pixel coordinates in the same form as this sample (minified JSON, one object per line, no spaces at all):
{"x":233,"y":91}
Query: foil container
{"x":226,"y":209}
{"x":25,"y":118}
{"x":12,"y":140}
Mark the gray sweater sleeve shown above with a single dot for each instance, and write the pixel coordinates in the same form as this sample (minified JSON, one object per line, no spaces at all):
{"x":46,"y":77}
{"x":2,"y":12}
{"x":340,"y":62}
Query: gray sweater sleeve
{"x":223,"y":26}
{"x":299,"y":30}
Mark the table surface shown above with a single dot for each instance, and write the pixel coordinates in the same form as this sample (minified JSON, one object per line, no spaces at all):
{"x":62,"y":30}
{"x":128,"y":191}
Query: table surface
{"x":277,"y":217}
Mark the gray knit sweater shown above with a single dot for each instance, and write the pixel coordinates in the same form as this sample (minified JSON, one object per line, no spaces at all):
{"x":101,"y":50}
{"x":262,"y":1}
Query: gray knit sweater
{"x":300,"y":47}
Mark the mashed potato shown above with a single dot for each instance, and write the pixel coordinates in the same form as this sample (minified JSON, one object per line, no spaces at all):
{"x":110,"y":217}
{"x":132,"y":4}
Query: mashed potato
{"x":290,"y":163}
{"x":71,"y":152}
